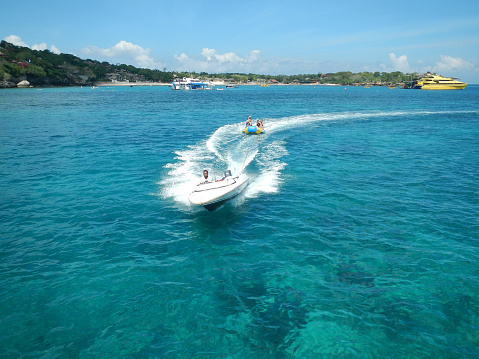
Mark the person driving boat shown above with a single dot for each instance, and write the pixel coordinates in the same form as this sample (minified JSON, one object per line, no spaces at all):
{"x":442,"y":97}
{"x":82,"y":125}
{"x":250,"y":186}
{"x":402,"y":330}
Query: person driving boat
{"x":205,"y":178}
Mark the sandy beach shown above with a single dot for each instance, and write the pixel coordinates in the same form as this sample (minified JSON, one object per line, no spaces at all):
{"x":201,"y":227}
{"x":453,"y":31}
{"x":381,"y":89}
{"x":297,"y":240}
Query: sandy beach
{"x":109,"y":84}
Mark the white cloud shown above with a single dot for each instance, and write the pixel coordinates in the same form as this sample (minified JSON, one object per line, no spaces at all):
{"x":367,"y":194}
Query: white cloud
{"x":212,"y":55}
{"x":208,"y":53}
{"x":444,"y":65}
{"x":15,"y":40}
{"x":399,"y":63}
{"x":213,"y":61}
{"x":254,"y":56}
{"x":55,"y":50}
{"x":44,"y":46}
{"x":40,"y":47}
{"x":447,"y":63}
{"x":125,"y":52}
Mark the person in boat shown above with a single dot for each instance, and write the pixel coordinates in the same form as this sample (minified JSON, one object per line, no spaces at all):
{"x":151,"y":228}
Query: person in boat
{"x":249,"y":121}
{"x":205,"y":178}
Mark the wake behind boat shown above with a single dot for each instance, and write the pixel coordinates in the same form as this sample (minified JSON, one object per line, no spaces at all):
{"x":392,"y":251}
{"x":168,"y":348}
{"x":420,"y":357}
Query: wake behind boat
{"x":211,"y":195}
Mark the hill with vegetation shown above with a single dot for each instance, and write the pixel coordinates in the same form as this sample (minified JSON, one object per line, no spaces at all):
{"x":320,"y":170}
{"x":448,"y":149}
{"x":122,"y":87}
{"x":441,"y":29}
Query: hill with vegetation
{"x":42,"y":68}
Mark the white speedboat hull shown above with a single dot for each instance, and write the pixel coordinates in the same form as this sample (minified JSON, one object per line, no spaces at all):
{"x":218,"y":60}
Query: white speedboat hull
{"x":213,"y":194}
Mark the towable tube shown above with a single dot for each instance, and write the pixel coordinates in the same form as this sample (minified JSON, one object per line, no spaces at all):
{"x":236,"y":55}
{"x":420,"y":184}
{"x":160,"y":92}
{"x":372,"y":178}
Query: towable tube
{"x":252,"y":130}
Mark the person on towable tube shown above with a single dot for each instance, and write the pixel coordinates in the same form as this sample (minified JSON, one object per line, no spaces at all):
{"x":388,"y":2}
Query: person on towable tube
{"x":259,"y":124}
{"x":249,"y":122}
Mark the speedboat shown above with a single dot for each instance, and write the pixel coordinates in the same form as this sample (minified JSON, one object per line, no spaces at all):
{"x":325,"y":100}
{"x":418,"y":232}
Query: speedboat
{"x":189,"y":83}
{"x":253,"y":130}
{"x":211,"y":195}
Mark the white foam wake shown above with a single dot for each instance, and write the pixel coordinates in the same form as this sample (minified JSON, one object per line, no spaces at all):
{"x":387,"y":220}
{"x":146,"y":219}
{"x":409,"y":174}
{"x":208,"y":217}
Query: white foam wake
{"x":228,"y":148}
{"x":223,"y":150}
{"x":270,"y":166}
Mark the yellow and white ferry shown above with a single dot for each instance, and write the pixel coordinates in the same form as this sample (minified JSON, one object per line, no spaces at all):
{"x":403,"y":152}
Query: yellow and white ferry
{"x":432,"y":81}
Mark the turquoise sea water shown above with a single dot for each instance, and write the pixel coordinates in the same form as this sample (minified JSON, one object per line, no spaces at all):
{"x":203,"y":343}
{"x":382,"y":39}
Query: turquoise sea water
{"x":357,"y":236}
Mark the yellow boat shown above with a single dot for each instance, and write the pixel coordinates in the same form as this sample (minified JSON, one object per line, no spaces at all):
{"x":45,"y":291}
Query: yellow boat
{"x":432,"y":81}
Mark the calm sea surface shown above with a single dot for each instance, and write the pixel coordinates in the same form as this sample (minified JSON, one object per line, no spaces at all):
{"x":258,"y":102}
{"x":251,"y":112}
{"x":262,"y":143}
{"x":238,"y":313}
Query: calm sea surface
{"x":357,"y":237}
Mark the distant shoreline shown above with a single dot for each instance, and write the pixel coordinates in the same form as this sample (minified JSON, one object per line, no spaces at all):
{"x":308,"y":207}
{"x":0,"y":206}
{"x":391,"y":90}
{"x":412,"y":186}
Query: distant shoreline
{"x":132,"y":84}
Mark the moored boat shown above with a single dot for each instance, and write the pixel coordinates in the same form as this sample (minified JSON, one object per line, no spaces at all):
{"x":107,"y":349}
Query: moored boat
{"x":430,"y":81}
{"x":211,"y":195}
{"x":189,"y":83}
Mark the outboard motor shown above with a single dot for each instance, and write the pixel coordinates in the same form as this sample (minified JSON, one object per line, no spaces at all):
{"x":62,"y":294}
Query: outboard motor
{"x":227,"y":173}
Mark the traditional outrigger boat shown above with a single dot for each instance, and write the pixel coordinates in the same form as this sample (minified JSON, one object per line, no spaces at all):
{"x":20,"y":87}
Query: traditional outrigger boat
{"x":211,"y":195}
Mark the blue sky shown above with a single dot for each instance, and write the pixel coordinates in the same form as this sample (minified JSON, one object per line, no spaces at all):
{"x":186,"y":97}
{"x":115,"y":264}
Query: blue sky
{"x":261,"y":36}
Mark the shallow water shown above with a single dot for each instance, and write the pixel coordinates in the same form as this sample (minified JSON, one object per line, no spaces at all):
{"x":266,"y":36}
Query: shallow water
{"x":357,"y":236}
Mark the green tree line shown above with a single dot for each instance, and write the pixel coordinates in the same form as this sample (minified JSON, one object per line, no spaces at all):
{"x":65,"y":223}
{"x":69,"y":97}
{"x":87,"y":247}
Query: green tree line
{"x":44,"y":68}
